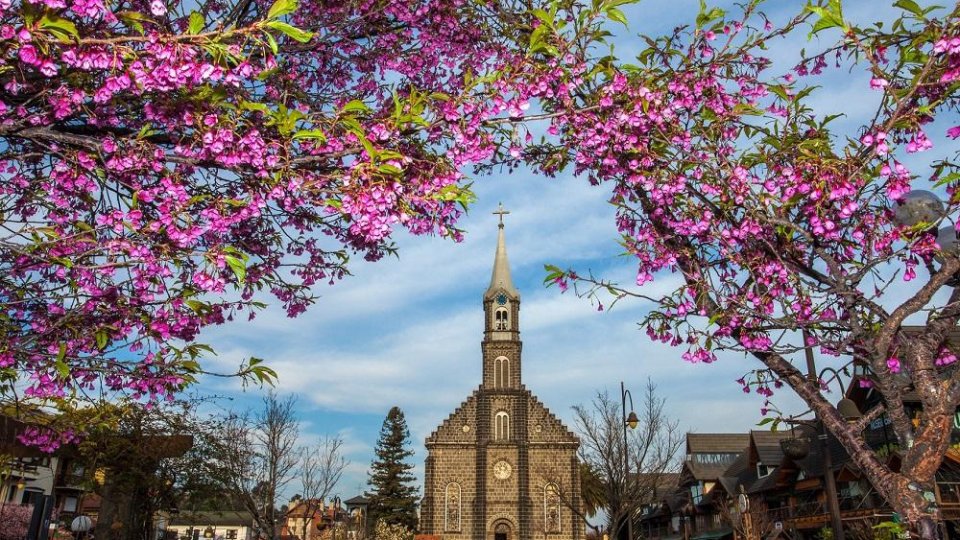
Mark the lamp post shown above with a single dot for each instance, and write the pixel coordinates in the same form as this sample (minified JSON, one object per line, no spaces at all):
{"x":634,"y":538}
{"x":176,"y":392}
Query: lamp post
{"x":630,"y":421}
{"x":848,"y":409}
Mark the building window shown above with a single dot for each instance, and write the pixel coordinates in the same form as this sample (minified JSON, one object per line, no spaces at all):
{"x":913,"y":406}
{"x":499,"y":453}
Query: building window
{"x":32,"y":496}
{"x":70,"y":504}
{"x":501,"y":430}
{"x":763,"y":470}
{"x":451,"y":515}
{"x":551,"y":508}
{"x":696,"y":493}
{"x":502,"y":319}
{"x":501,"y":372}
{"x":231,"y":534}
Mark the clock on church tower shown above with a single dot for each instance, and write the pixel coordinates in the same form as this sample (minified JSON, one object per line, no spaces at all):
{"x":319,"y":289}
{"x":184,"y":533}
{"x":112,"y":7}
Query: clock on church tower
{"x":497,"y":466}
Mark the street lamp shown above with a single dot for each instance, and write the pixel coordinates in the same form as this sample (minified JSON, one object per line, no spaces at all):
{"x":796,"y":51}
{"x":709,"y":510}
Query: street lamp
{"x":918,"y":206}
{"x":630,"y":421}
{"x":80,"y":526}
{"x":849,"y":411}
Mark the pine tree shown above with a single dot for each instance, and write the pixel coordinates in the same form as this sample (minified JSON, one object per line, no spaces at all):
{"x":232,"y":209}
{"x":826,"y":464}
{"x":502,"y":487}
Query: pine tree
{"x":394,"y":497}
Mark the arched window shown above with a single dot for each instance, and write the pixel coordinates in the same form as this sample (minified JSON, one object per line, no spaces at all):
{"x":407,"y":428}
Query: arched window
{"x":501,"y":430}
{"x":551,"y":508}
{"x":451,"y":514}
{"x":501,"y":372}
{"x":501,"y":319}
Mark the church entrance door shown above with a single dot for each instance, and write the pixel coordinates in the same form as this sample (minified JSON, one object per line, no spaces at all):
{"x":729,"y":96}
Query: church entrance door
{"x":501,"y":532}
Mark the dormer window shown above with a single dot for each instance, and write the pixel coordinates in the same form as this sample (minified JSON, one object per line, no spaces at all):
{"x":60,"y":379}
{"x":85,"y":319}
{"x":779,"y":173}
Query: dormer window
{"x":763,"y":470}
{"x":501,"y":319}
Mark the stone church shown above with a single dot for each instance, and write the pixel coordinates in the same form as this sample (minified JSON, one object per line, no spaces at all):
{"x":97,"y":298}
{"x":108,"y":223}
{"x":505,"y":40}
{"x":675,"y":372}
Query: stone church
{"x":502,"y":466}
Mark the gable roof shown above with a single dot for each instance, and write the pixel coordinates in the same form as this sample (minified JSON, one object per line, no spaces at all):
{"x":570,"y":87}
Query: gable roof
{"x":766,"y":444}
{"x":719,"y":450}
{"x":717,"y":443}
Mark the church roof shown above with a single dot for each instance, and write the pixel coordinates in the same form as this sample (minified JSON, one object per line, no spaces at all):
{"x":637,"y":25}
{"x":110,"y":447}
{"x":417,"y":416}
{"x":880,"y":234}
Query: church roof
{"x":500,"y":278}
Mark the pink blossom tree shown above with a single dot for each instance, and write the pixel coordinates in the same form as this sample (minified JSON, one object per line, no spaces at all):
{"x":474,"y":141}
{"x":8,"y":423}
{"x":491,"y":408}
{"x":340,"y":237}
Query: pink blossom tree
{"x":786,"y":235}
{"x":166,"y":165}
{"x":14,"y":521}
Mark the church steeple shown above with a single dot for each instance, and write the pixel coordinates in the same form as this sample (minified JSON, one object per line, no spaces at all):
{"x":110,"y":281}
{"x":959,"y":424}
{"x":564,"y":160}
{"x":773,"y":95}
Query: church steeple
{"x":501,"y":301}
{"x":500,"y":278}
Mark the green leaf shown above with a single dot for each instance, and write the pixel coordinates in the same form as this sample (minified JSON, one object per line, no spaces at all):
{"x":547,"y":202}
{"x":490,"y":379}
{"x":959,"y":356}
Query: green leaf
{"x":356,"y":106}
{"x":387,"y":168}
{"x":281,"y":8}
{"x":543,"y":16}
{"x":765,"y":421}
{"x":614,"y":14}
{"x":238,"y":266}
{"x":62,"y":369}
{"x":102,"y":338}
{"x":254,"y":106}
{"x":536,"y":38}
{"x":909,"y":5}
{"x":60,"y":364}
{"x":272,"y":41}
{"x":779,"y":90}
{"x":553,"y":273}
{"x":197,"y":306}
{"x":830,"y":17}
{"x":59,"y":27}
{"x":309,"y":134}
{"x":291,"y":31}
{"x":134,"y":19}
{"x":706,"y":16}
{"x":196,"y":23}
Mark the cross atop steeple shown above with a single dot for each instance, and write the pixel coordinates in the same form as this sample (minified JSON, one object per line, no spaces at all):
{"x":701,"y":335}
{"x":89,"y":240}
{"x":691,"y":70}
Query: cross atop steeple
{"x":501,"y":212}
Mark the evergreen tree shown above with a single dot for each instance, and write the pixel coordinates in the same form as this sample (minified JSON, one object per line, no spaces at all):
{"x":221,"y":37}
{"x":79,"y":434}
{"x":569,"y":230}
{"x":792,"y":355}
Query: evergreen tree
{"x":394,"y":497}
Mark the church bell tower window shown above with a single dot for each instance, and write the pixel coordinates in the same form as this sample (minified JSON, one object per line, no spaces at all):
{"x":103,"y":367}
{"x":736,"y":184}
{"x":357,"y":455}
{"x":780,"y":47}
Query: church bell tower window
{"x":501,"y":319}
{"x":501,"y":372}
{"x":501,"y":427}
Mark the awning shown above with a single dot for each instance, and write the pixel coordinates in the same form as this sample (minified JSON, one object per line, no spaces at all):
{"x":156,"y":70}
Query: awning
{"x":712,"y":535}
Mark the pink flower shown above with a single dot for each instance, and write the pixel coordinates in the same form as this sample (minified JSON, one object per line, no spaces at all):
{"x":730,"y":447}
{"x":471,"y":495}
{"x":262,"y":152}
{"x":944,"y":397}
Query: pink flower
{"x":893,"y":364}
{"x":158,"y":8}
{"x":953,"y":132}
{"x":945,"y":358}
{"x":48,"y":68}
{"x":878,"y":84}
{"x":29,"y":55}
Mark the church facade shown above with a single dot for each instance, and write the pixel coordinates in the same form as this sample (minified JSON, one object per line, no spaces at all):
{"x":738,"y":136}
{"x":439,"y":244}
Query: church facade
{"x":502,"y":466}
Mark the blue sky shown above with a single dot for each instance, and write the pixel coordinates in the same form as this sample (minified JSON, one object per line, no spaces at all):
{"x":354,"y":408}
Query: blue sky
{"x":407,"y":331}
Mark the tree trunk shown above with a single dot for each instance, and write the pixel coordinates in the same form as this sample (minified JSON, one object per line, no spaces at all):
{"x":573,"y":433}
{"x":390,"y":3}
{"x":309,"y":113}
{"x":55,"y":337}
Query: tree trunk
{"x":919,"y":511}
